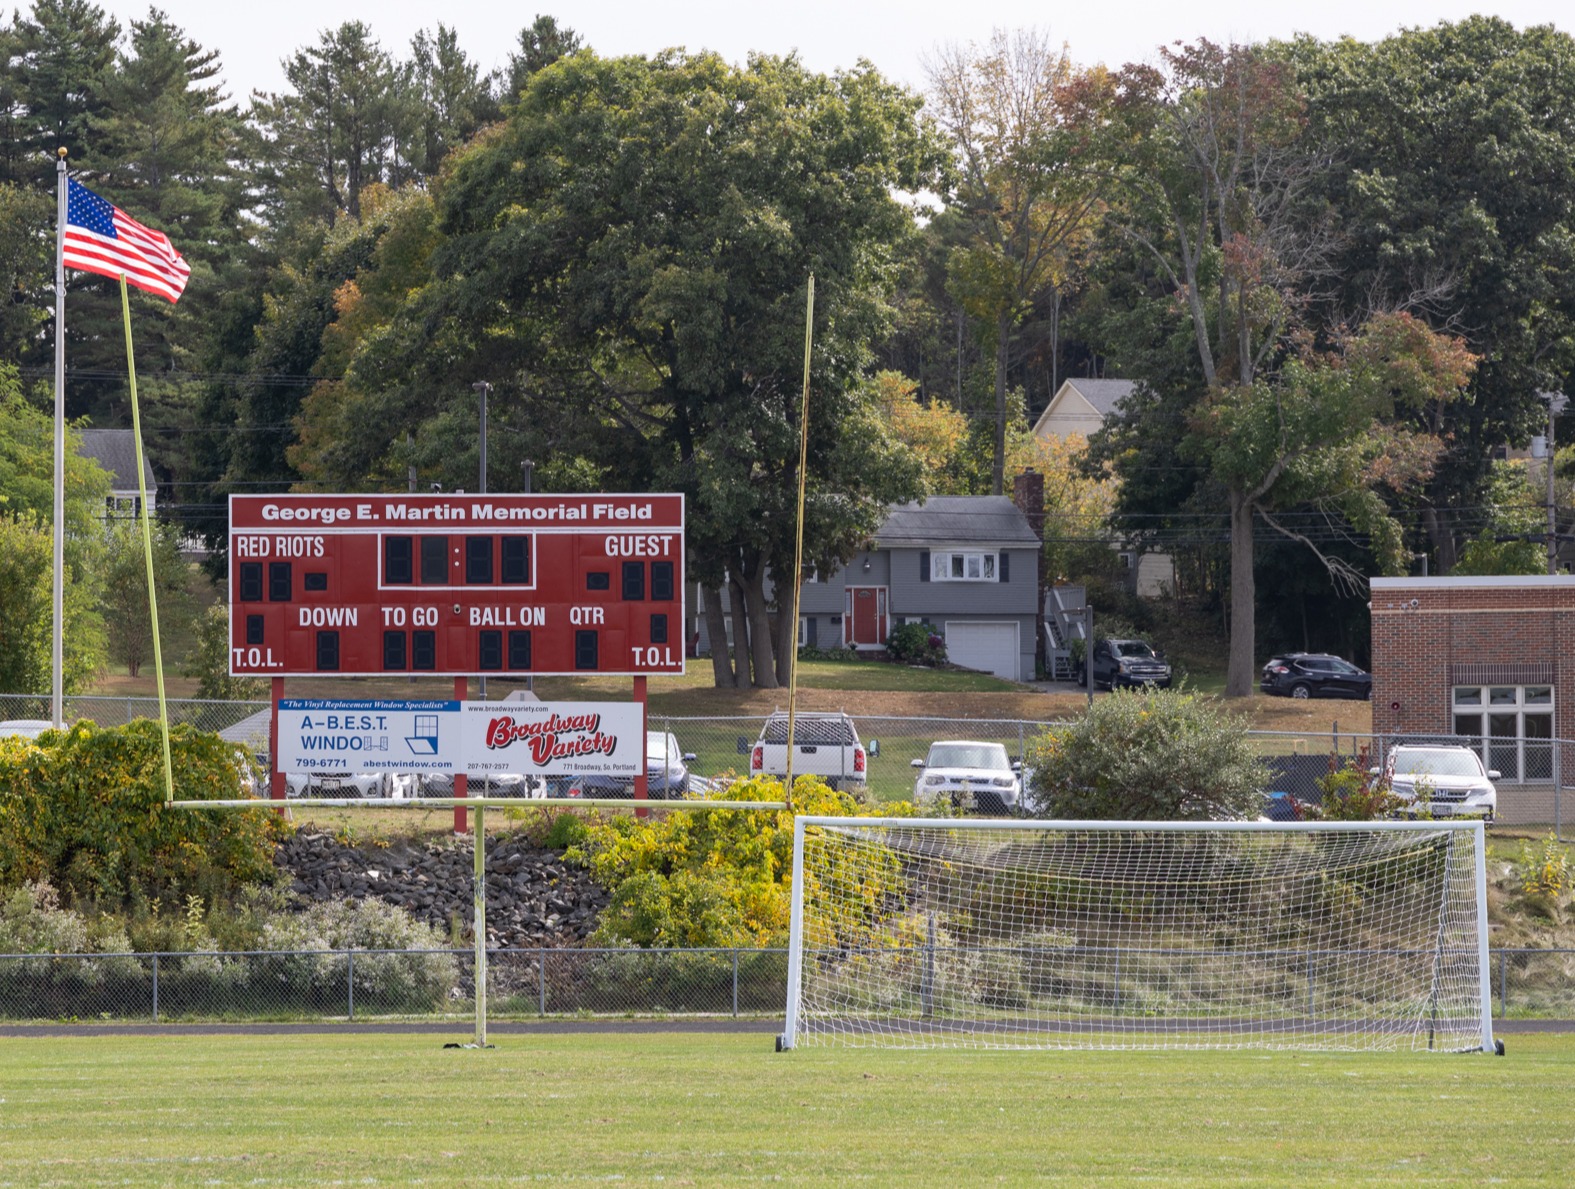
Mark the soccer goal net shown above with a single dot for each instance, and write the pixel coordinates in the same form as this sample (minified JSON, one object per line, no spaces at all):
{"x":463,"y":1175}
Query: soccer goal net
{"x":1028,"y":934}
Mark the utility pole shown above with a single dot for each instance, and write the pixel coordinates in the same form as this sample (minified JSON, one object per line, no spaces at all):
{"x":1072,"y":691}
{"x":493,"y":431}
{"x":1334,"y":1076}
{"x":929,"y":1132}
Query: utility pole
{"x":483,"y":389}
{"x":1556,"y":402}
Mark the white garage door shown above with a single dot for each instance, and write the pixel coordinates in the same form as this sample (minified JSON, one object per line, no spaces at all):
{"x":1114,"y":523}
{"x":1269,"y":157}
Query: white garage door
{"x":988,"y":647}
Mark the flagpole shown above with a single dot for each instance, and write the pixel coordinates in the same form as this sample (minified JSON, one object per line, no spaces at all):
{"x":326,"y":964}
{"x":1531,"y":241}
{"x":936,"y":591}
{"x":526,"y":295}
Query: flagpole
{"x":57,"y":654}
{"x":147,"y":544}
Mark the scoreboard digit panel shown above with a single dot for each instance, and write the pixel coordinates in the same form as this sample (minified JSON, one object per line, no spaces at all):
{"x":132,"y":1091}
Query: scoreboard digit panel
{"x":455,"y":585}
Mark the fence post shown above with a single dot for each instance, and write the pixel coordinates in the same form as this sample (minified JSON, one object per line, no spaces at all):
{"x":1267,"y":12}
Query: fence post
{"x":350,"y":981}
{"x":927,"y":988}
{"x":541,"y":980}
{"x":735,"y":984}
{"x":1309,"y":986}
{"x":155,"y":988}
{"x":1503,"y":985}
{"x":1558,"y":817}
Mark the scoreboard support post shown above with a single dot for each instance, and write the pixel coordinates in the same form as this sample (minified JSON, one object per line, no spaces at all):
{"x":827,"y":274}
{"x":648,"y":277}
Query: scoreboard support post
{"x":461,"y":780}
{"x":641,"y":790}
{"x":276,"y":787}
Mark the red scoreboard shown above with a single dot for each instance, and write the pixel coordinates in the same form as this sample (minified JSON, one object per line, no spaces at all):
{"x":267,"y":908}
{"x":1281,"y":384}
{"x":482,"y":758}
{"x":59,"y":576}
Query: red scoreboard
{"x":455,"y":585}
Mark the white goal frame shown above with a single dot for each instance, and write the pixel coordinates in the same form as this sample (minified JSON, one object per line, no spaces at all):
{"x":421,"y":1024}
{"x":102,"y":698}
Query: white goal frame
{"x":812,"y":1021}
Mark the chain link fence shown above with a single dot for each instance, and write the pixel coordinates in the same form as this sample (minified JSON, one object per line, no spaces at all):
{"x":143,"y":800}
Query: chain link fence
{"x":389,"y":984}
{"x":118,"y":711}
{"x":1530,"y":789}
{"x":437,"y":985}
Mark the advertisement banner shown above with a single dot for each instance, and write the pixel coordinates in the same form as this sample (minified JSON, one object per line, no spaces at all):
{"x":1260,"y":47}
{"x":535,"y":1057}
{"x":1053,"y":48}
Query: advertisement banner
{"x":554,"y":738}
{"x":369,"y":735}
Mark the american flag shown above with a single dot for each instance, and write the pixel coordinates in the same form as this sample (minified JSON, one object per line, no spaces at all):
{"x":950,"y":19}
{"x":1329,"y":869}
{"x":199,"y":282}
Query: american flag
{"x":100,"y":237}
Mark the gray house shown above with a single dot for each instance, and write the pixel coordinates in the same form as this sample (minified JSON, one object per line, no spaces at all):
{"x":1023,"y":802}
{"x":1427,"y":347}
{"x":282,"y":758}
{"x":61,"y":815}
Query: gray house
{"x":967,"y":565}
{"x":116,"y":451}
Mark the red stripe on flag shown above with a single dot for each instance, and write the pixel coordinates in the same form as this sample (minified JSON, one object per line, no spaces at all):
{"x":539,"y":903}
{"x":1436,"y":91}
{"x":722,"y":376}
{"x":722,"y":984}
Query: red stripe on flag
{"x":145,"y":257}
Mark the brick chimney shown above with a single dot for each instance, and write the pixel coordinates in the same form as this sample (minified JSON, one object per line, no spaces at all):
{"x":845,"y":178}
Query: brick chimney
{"x":1028,"y":493}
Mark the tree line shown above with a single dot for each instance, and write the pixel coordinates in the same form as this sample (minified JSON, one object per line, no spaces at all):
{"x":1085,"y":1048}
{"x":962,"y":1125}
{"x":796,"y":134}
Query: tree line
{"x":1339,"y":273}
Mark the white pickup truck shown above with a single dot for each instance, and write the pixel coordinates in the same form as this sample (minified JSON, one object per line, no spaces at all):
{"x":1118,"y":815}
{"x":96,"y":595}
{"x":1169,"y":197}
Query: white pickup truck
{"x":825,"y":745}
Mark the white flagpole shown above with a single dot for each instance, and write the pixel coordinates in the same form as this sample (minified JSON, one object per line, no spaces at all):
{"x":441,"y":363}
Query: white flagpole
{"x":56,"y":708}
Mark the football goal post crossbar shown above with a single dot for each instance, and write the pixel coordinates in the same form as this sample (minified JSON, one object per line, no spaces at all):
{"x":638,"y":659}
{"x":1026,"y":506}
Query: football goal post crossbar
{"x":1016,"y":933}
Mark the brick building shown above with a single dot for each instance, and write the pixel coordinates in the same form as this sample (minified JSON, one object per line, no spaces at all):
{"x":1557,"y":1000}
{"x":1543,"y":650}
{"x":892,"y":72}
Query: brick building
{"x":1490,"y":659}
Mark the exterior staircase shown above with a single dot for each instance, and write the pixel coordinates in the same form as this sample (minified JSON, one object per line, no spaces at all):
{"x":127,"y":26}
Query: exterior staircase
{"x":1064,"y":622}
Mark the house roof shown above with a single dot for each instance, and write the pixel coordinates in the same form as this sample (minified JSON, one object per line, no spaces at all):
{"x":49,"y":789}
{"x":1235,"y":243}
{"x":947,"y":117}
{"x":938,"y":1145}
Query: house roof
{"x":1103,"y":396}
{"x":947,"y":519}
{"x":115,"y":451}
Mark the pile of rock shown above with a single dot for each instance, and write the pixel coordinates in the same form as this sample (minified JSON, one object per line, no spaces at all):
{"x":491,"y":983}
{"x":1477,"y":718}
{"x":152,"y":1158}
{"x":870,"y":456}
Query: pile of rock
{"x":534,"y":898}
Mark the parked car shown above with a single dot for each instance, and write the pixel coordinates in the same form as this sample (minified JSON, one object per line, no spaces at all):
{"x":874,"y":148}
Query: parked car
{"x":825,"y":745}
{"x":1128,"y":663}
{"x":1280,"y":806}
{"x":27,"y":728}
{"x":1451,"y":778}
{"x":1315,"y":675}
{"x":667,"y":775}
{"x":368,"y":785}
{"x":477,"y":784}
{"x":971,"y":775}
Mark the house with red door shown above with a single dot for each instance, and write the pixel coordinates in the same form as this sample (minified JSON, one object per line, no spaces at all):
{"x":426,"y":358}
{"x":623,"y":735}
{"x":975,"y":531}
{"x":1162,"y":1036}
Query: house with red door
{"x":966,"y":565}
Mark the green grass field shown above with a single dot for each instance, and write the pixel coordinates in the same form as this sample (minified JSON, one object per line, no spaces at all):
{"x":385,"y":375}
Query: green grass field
{"x":703,"y":1109}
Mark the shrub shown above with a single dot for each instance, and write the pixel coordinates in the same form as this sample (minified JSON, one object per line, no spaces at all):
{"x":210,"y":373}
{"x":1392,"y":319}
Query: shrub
{"x":1151,"y":755}
{"x":33,"y":922}
{"x":1351,"y":793}
{"x":400,"y":978}
{"x":916,"y":644}
{"x":828,"y":654}
{"x":1546,"y":870}
{"x":716,"y":878}
{"x":565,"y":831}
{"x":85,"y":812}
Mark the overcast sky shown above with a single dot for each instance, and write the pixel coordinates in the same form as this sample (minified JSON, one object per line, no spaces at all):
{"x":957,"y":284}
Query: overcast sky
{"x":894,"y":34}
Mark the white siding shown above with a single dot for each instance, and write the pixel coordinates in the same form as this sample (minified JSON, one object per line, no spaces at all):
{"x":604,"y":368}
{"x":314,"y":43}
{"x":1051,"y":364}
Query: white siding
{"x":988,"y":647}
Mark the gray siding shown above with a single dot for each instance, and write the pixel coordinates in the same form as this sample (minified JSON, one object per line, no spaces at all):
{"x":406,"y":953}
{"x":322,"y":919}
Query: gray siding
{"x":914,"y":599}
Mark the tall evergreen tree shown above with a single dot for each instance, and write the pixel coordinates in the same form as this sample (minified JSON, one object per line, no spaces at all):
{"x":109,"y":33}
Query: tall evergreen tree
{"x":335,"y":132}
{"x":61,"y":63}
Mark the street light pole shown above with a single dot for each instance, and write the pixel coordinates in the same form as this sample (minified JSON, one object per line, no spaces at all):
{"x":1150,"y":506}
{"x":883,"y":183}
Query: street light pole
{"x":1556,"y":402}
{"x":527,"y":470}
{"x":483,"y":389}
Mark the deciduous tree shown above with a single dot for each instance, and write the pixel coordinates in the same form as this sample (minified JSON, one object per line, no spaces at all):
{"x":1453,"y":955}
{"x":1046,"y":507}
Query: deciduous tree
{"x":1026,"y":187}
{"x":626,"y":261}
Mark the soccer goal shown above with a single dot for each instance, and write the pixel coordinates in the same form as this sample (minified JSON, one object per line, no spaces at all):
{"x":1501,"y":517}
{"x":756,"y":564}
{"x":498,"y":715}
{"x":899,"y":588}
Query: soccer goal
{"x":1039,"y":934}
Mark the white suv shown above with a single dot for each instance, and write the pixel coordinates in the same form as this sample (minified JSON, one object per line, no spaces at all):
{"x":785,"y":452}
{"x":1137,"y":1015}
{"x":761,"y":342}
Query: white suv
{"x":970,"y":775}
{"x":1451,"y":778}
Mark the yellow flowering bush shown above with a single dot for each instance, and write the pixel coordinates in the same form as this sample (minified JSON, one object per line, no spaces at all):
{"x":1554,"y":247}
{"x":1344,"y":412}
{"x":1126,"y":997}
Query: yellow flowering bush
{"x":83,"y":809}
{"x":718,"y":877}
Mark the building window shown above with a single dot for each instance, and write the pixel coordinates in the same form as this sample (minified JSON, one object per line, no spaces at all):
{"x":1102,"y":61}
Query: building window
{"x":1510,"y":727}
{"x":962,"y":567}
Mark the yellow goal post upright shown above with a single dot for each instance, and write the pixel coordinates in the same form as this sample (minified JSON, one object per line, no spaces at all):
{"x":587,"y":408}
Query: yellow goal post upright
{"x":1029,"y":934}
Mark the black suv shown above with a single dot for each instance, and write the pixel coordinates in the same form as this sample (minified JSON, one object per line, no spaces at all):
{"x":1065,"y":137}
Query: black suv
{"x":1315,"y":675}
{"x":1128,"y":662}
